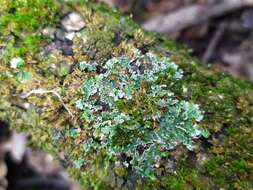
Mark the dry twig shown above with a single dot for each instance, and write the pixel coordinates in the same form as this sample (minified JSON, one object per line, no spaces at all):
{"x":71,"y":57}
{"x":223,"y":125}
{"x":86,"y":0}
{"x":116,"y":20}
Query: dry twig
{"x":42,"y":91}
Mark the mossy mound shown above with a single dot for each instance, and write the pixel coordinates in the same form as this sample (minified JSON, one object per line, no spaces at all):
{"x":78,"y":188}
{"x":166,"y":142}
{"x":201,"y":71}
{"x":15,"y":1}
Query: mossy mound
{"x":105,"y":109}
{"x":132,"y":112}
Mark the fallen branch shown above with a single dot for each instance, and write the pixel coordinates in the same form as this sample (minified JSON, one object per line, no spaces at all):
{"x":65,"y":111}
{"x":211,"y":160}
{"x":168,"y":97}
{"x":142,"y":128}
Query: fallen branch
{"x":214,"y":42}
{"x":42,"y":91}
{"x":193,"y":15}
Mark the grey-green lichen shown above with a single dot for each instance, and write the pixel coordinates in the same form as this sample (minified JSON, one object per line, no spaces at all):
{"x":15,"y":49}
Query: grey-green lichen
{"x":17,"y":64}
{"x":155,"y":120}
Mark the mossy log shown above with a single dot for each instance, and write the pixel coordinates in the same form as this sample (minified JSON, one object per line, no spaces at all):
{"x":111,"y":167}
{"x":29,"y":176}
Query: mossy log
{"x":42,"y":83}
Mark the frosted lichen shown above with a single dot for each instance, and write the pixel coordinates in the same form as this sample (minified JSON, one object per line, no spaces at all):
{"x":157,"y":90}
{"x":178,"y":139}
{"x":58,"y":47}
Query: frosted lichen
{"x":132,"y":110}
{"x":17,"y":63}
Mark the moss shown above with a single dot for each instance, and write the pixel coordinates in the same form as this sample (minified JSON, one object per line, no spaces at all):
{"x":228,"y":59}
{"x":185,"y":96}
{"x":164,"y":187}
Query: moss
{"x":226,"y":101}
{"x":186,"y":179}
{"x":20,"y":23}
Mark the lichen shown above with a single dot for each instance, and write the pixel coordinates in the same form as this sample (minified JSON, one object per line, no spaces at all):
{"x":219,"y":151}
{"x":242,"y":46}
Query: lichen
{"x":144,"y":132}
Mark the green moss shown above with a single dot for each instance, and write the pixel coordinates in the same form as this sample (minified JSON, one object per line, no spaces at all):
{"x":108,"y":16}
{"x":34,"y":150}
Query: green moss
{"x":24,"y":121}
{"x":186,"y":179}
{"x":20,"y":23}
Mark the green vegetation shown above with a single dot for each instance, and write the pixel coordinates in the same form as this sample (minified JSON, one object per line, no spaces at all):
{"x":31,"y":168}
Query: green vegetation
{"x":132,"y":110}
{"x":20,"y":23}
{"x":139,"y":110}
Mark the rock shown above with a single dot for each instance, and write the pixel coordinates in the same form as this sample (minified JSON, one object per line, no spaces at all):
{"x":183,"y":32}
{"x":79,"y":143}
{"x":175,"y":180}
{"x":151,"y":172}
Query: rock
{"x":48,"y":32}
{"x":67,"y":49}
{"x":53,"y":47}
{"x":64,"y":36}
{"x":70,"y":35}
{"x":60,"y":35}
{"x":64,"y":41}
{"x":72,"y":22}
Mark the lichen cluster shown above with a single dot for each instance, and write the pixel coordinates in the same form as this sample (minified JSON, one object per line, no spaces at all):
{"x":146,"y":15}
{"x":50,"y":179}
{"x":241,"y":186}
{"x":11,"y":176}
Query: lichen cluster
{"x":131,"y":109}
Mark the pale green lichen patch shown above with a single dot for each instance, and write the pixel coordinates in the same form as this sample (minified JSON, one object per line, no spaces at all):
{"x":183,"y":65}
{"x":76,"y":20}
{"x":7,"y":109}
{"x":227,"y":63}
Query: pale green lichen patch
{"x":17,"y":64}
{"x":142,"y":130}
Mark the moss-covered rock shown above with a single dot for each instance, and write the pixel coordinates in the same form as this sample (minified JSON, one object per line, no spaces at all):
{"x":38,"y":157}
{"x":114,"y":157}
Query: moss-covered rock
{"x":67,"y":103}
